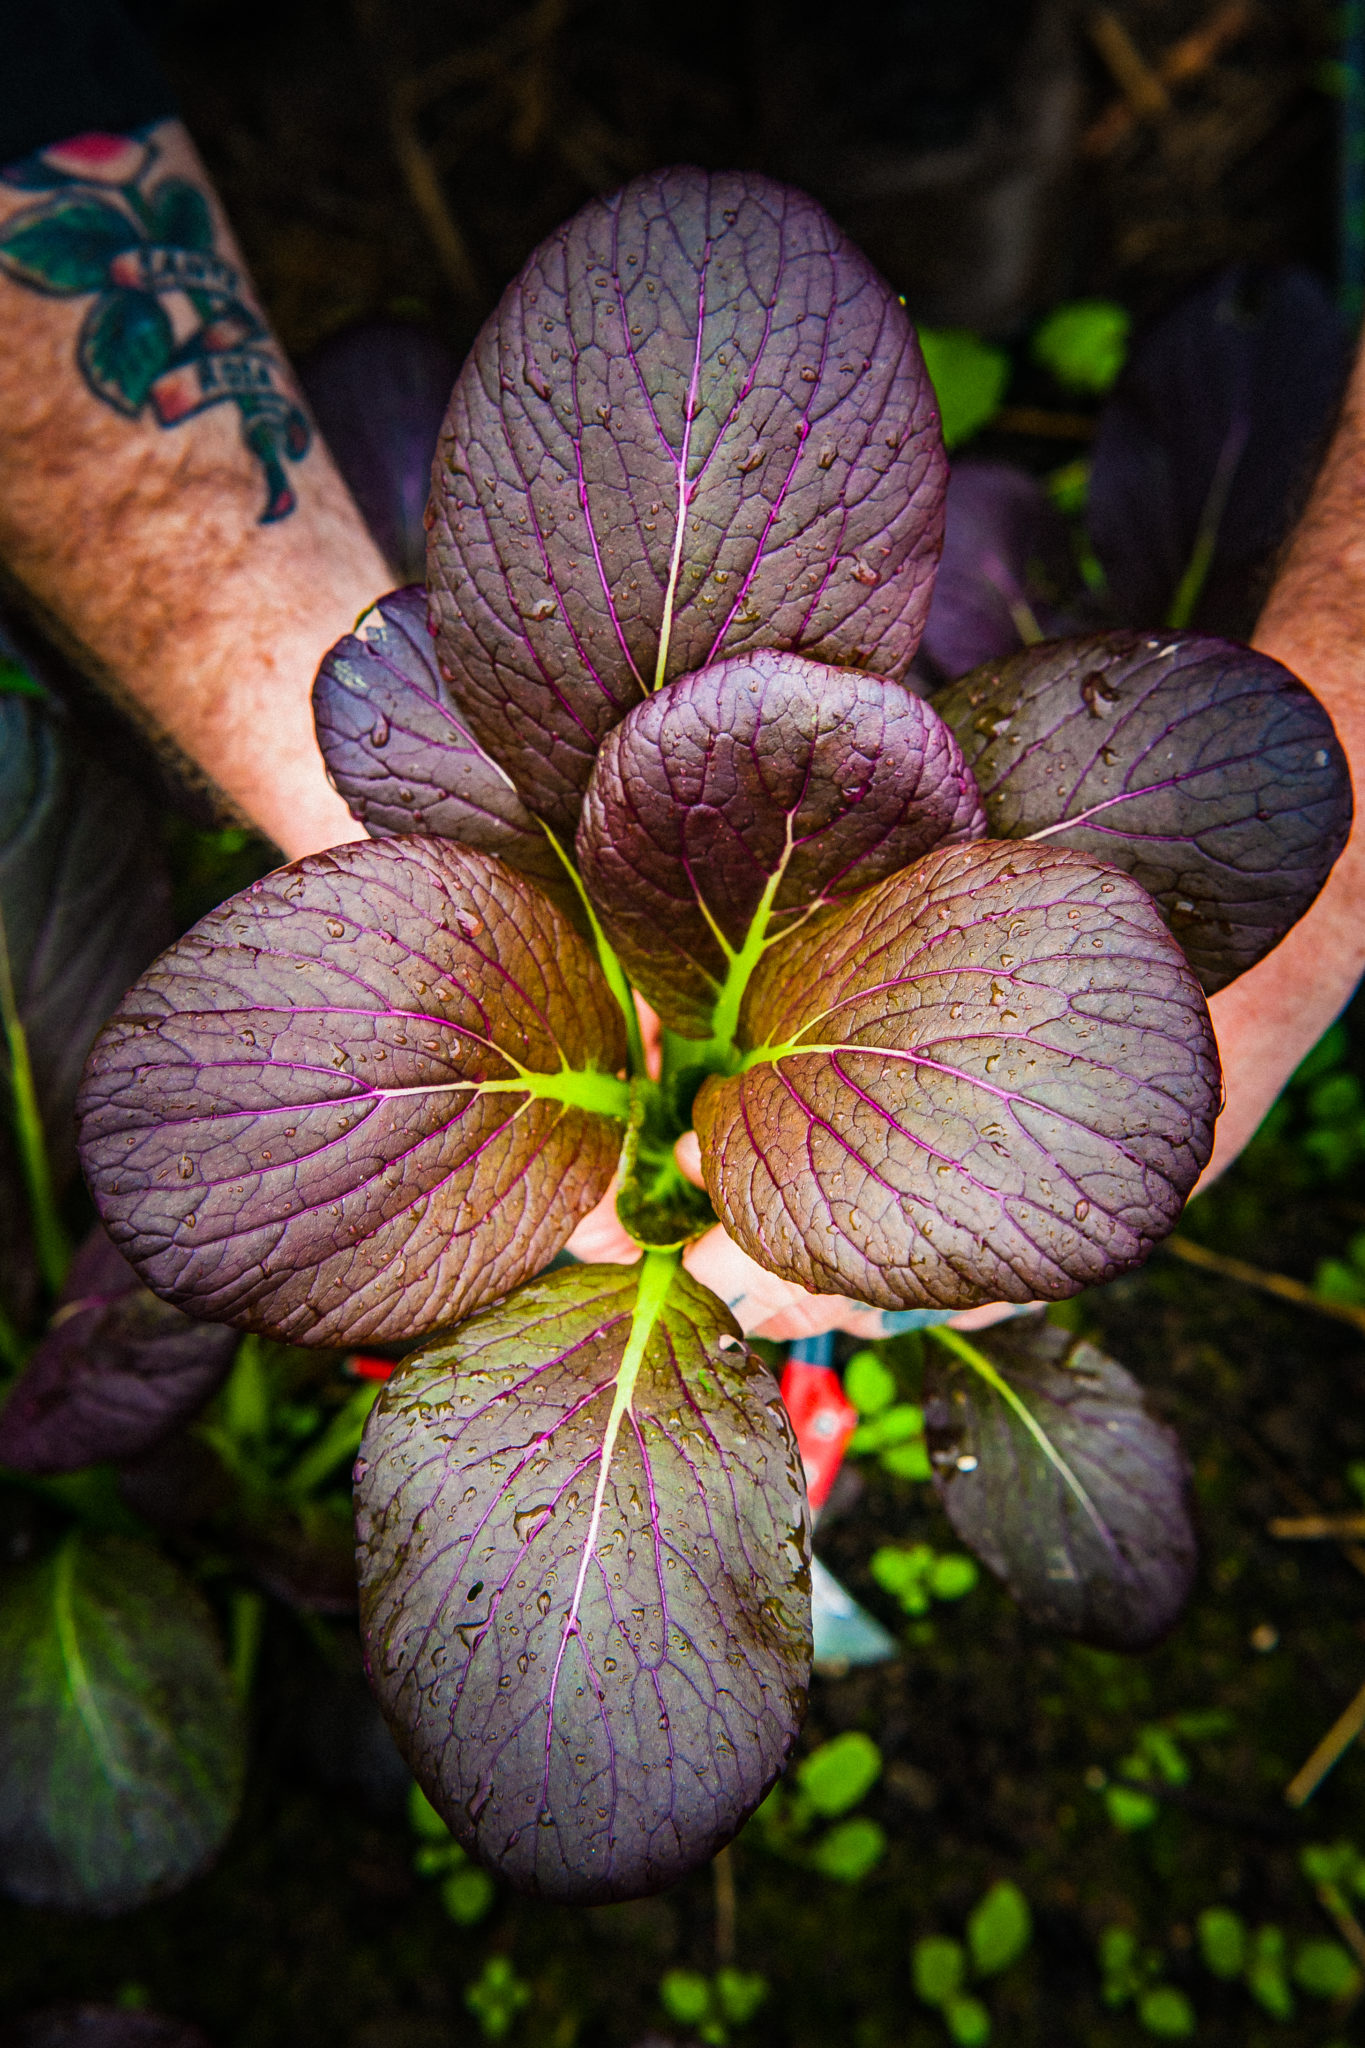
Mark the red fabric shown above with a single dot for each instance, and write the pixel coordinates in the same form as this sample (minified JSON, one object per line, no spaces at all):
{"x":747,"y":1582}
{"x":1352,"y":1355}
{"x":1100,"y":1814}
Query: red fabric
{"x":824,"y":1420}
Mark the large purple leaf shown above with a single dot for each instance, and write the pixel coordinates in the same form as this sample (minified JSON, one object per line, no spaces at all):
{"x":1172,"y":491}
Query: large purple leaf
{"x":302,"y":1123}
{"x":117,"y":1371}
{"x":1006,"y":560}
{"x":697,"y":424}
{"x":399,"y":754}
{"x":1206,"y":450}
{"x":379,"y":391}
{"x":1052,"y":1470}
{"x":1204,"y":769}
{"x":724,"y":808}
{"x":584,"y":1567}
{"x":991,"y":1077}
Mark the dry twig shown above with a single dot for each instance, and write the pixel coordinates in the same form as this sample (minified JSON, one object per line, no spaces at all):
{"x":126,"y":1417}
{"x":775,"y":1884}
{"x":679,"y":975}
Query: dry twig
{"x":1184,"y":61}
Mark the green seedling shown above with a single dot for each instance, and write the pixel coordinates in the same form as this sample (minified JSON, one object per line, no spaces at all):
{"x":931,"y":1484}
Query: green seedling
{"x":999,"y":1930}
{"x":1131,"y":1975}
{"x":1084,"y":345}
{"x":1156,"y":1758}
{"x":828,"y":1784}
{"x":916,"y":1575}
{"x":496,"y":1998}
{"x":712,"y":2006}
{"x":969,"y":379}
{"x":467,"y":1892}
{"x":890,"y":1430}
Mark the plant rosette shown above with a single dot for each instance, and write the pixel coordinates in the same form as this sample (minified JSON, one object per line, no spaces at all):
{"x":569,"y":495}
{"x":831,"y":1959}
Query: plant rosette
{"x":924,"y":975}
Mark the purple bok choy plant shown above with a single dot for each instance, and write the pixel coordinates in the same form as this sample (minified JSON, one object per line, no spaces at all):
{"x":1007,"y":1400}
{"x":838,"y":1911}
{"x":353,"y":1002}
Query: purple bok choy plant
{"x":647,"y":729}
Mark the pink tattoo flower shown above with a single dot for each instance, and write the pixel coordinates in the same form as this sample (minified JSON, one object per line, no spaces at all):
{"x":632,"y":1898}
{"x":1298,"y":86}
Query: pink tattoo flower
{"x":99,"y":159}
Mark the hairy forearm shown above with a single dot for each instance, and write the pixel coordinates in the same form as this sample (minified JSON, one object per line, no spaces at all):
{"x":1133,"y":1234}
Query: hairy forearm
{"x":144,"y":540}
{"x":1314,"y":622}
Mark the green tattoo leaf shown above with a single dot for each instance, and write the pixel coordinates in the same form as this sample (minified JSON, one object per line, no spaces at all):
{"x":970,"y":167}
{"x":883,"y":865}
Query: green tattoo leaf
{"x":126,"y":343}
{"x":66,"y":245}
{"x":180,"y":215}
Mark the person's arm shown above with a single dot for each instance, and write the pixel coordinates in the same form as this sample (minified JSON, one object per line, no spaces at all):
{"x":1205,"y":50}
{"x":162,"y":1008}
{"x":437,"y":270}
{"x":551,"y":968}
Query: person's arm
{"x":1314,"y":622}
{"x":164,"y":500}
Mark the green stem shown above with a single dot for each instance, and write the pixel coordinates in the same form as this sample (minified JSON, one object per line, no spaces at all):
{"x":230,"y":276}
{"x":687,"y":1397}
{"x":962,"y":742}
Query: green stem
{"x":740,"y":965}
{"x":608,"y":962}
{"x":338,"y":1442}
{"x":13,"y":1350}
{"x":1191,"y":585}
{"x":50,"y":1240}
{"x":248,"y":1614}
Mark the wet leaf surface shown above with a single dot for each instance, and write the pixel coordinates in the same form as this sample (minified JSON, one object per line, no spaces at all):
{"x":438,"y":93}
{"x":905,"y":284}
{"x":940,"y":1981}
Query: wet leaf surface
{"x":991,"y":1077}
{"x":303,"y":1123}
{"x":734,"y":801}
{"x":1204,"y":769}
{"x":583,"y":1546}
{"x":698,"y":423}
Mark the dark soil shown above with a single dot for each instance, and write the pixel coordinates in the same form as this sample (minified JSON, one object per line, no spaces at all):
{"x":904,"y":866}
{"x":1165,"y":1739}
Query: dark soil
{"x":997,"y":1739}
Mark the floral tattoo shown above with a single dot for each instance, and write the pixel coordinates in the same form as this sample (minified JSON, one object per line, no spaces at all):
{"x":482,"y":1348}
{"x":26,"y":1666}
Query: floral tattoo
{"x":170,"y":328}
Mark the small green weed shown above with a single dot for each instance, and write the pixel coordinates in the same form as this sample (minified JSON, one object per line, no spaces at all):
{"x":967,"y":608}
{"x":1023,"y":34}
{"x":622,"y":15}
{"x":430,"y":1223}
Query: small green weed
{"x":916,"y":1575}
{"x":999,"y":1930}
{"x":827,"y":1785}
{"x":467,"y":1892}
{"x":1131,"y":1975}
{"x":1084,"y":345}
{"x":496,"y":1998}
{"x":712,"y":2006}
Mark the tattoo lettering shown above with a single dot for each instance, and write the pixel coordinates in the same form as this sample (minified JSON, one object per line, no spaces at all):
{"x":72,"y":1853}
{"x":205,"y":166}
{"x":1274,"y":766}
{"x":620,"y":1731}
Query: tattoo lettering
{"x":170,"y":329}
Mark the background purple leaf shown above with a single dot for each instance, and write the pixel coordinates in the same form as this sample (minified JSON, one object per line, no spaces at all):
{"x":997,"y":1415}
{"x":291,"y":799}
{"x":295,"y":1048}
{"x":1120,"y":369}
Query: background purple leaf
{"x":98,"y":2026}
{"x":1210,"y":443}
{"x":992,"y":1077}
{"x":585,"y":1588}
{"x":1006,"y":562}
{"x":697,"y":424}
{"x":400,"y":756}
{"x":121,"y":1734}
{"x":301,"y":1123}
{"x":85,"y":903}
{"x":763,"y":769}
{"x":117,"y":1370}
{"x":1061,"y":1481}
{"x":1204,"y":769}
{"x":379,"y":392}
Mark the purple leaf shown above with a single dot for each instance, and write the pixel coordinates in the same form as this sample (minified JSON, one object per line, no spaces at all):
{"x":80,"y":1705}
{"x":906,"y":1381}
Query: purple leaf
{"x":1006,"y":556}
{"x":697,"y":424}
{"x":121,"y":1737}
{"x":1203,"y":455}
{"x":379,"y":392}
{"x":84,"y":895}
{"x":584,"y":1565}
{"x":992,"y":1077}
{"x":98,"y":2026}
{"x":1204,"y":769}
{"x":301,"y":1123}
{"x":398,"y":753}
{"x":725,"y":807}
{"x":1052,"y":1470}
{"x":116,"y":1372}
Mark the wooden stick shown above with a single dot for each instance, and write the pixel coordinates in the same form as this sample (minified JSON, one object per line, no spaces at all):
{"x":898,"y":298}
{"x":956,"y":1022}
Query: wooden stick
{"x":1047,"y":425}
{"x":1132,"y":74}
{"x":1343,"y":1919}
{"x":1317,"y":1528}
{"x":1278,"y":1284}
{"x":1187,"y":59}
{"x":1329,"y":1752}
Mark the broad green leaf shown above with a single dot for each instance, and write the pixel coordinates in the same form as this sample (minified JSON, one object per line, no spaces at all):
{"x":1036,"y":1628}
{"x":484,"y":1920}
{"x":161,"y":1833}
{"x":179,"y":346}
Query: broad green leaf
{"x":938,"y":1965}
{"x":839,"y":1773}
{"x":969,"y":378}
{"x":1222,"y":1941}
{"x":121,"y":1740}
{"x":850,"y":1850}
{"x":1084,"y":344}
